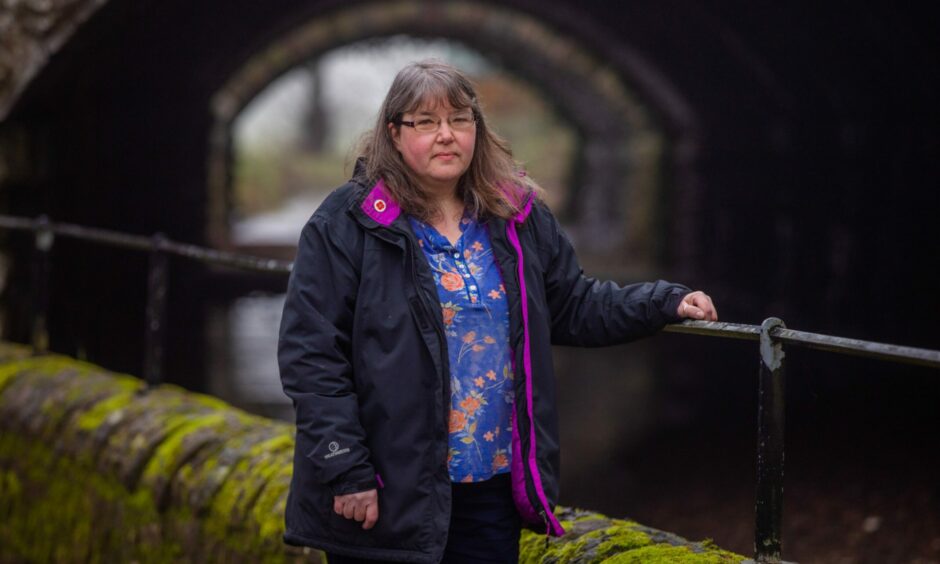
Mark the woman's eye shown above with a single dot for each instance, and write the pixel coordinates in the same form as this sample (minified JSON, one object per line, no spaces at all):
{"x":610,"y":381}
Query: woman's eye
{"x":460,"y":119}
{"x":425,"y":122}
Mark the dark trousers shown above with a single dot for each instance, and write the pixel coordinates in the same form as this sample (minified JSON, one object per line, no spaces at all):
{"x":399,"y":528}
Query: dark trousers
{"x":484,"y":525}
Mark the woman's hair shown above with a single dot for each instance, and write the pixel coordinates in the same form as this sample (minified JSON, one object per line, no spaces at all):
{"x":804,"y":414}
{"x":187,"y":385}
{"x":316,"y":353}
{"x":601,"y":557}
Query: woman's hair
{"x":493,"y":184}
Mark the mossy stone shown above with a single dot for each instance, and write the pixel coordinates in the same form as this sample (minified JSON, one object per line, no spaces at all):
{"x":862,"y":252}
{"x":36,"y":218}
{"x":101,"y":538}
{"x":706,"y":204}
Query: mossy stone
{"x":95,"y":467}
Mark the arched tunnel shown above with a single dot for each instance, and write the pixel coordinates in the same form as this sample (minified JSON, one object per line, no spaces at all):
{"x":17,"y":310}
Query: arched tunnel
{"x":781,"y":157}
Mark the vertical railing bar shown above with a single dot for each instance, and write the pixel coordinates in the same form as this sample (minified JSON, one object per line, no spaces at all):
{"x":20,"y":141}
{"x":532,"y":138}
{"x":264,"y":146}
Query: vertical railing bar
{"x":44,"y":239}
{"x":771,"y":420}
{"x":155,"y":332}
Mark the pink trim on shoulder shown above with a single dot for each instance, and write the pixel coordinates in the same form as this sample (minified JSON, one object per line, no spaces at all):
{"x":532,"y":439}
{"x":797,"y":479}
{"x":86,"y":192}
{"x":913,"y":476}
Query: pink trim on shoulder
{"x":519,"y":197}
{"x":380,"y":206}
{"x":526,"y":209}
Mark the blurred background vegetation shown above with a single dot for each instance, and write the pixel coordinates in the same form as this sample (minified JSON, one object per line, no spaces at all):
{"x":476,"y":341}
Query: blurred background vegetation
{"x":296,"y":141}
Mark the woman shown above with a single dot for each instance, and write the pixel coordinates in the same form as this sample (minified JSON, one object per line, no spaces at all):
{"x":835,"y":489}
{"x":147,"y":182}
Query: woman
{"x":416,"y":340}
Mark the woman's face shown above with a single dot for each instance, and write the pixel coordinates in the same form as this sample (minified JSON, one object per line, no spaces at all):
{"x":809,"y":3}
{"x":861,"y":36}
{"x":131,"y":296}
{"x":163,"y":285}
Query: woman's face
{"x":437,"y":159}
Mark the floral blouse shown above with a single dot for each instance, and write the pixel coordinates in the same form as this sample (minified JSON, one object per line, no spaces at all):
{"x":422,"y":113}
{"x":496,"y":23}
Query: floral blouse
{"x":476,"y":322}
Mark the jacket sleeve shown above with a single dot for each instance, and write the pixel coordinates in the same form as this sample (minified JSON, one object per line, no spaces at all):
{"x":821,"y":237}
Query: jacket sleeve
{"x":589,"y":313}
{"x":314,"y":354}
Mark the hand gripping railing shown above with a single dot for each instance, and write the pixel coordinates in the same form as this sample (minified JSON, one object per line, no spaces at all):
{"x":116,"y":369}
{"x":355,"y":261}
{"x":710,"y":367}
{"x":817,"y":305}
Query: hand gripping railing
{"x":772,"y":335}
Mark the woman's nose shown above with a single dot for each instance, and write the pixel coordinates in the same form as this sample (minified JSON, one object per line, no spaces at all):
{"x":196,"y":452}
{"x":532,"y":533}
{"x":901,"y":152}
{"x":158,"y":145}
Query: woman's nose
{"x":445,"y":133}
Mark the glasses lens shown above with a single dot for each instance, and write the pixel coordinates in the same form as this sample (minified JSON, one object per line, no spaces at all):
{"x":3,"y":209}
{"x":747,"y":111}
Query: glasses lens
{"x":427,"y":124}
{"x":463,"y":120}
{"x":430,"y":124}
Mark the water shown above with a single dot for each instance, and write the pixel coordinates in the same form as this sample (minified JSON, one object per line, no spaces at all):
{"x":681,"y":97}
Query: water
{"x":243,"y":339}
{"x":279,"y":227}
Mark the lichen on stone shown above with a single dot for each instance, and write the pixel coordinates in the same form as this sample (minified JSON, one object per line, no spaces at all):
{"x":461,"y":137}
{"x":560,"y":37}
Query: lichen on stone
{"x":95,"y":467}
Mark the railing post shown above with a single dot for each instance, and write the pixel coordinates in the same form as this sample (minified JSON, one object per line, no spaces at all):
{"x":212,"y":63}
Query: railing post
{"x":156,"y":312}
{"x":44,"y":238}
{"x":770,"y":434}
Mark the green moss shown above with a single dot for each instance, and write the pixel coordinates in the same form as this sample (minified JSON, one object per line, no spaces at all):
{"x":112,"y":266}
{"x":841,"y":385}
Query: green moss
{"x":214,"y":480}
{"x":613,"y":540}
{"x":210,"y":402}
{"x":9,"y":485}
{"x":592,"y":538}
{"x":109,"y":410}
{"x":665,"y":554}
{"x":9,"y":370}
{"x":16,"y":364}
{"x":66,"y":511}
{"x":12,"y":351}
{"x":268,"y":510}
{"x":166,"y":458}
{"x":231,"y":507}
{"x":594,"y":545}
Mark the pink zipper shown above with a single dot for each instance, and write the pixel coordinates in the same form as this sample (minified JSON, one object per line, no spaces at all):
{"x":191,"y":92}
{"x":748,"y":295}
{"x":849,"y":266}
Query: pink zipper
{"x":547,"y":515}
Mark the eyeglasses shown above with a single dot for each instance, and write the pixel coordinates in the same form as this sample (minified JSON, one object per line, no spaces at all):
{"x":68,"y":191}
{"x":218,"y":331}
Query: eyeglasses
{"x":431,"y":124}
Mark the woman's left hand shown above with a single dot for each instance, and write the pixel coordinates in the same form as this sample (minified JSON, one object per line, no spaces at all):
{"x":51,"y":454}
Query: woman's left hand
{"x":697,"y":305}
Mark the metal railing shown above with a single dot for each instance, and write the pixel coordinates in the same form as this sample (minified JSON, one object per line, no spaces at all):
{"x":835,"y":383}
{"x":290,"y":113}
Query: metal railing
{"x":159,"y":247}
{"x":772,"y":335}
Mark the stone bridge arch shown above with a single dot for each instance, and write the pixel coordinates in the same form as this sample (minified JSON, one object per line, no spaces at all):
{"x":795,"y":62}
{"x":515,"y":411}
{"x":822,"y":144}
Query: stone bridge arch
{"x":639,"y":135}
{"x":120,"y":121}
{"x":630,"y":123}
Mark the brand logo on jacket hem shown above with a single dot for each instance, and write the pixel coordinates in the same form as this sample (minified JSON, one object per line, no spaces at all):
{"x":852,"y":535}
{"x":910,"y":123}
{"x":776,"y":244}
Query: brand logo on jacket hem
{"x":335,"y":450}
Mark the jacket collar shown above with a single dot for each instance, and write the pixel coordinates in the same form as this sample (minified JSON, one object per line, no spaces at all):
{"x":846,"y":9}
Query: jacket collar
{"x":379,"y":205}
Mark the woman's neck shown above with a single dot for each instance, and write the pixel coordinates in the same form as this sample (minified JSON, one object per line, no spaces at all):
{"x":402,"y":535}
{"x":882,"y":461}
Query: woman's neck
{"x":447,"y":215}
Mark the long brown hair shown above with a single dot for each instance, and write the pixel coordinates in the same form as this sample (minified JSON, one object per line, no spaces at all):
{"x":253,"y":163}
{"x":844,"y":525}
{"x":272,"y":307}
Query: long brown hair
{"x":492,"y":185}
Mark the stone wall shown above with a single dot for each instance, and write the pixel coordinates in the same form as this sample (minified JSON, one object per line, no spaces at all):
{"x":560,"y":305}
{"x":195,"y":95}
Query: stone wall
{"x":31,"y":31}
{"x":94,"y":467}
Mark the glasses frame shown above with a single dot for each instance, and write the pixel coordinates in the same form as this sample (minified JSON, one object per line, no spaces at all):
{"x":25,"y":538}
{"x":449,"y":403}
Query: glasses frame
{"x":474,"y":118}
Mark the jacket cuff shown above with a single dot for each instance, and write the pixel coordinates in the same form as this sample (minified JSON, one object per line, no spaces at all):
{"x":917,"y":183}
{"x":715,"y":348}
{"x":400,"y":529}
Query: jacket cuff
{"x":671,"y":305}
{"x":358,"y":479}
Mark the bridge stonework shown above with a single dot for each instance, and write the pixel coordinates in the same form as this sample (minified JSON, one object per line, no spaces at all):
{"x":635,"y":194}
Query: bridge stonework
{"x":30,"y":32}
{"x":95,"y":467}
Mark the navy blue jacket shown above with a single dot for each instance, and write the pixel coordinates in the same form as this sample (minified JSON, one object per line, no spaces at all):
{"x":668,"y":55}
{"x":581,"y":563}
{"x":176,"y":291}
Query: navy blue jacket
{"x":363,"y":356}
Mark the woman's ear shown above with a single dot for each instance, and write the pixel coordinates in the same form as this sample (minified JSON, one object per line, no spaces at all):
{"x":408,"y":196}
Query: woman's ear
{"x":395,"y":134}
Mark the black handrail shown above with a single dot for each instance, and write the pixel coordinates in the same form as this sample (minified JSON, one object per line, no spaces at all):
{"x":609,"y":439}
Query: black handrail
{"x":142,"y":243}
{"x":772,"y":335}
{"x":843,"y":345}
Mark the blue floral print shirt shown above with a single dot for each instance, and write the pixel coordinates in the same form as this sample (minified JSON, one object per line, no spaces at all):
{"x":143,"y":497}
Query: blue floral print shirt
{"x":476,"y":321}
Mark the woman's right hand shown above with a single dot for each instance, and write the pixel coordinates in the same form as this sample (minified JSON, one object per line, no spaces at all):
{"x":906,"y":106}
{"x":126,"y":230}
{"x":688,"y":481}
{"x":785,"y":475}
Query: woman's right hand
{"x":361,"y":506}
{"x":697,"y":305}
